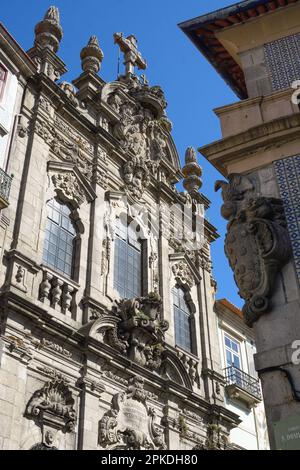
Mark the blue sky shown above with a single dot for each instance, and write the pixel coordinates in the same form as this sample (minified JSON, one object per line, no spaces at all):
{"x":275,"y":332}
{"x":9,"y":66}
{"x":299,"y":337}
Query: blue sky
{"x":192,"y":87}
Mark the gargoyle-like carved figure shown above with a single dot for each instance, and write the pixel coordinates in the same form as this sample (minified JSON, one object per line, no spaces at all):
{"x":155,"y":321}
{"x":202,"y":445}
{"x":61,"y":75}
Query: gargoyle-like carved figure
{"x":142,"y":329}
{"x":257,"y":243}
{"x":129,"y":424}
{"x":54,"y":402}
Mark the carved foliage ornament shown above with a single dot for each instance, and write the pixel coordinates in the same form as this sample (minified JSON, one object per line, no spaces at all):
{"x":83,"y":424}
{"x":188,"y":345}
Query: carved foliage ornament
{"x":65,"y":149}
{"x":257,"y":243}
{"x":68,"y":188}
{"x":129,"y":424}
{"x":183,"y":274}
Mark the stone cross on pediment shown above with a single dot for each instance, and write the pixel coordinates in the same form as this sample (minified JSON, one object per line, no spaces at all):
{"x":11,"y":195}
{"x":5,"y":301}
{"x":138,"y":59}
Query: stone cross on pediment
{"x":132,"y":56}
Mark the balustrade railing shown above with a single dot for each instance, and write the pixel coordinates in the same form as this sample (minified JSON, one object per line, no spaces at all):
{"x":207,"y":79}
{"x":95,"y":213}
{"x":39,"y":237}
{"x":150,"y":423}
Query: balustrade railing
{"x":236,"y":376}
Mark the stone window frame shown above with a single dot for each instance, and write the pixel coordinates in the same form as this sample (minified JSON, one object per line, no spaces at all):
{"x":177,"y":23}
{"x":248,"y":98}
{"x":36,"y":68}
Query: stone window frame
{"x":144,"y":257}
{"x":75,"y":219}
{"x":192,"y":308}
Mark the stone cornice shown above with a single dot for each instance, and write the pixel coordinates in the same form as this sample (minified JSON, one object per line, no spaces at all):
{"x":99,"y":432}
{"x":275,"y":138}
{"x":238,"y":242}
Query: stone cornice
{"x":265,"y":136}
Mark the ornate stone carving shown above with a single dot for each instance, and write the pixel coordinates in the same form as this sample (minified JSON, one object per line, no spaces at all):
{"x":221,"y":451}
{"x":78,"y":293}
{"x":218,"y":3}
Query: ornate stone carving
{"x":91,"y":56}
{"x":129,"y":424}
{"x":183,"y":274}
{"x":257,"y":242}
{"x":135,"y":330}
{"x":68,"y":189}
{"x":142,"y":330}
{"x":63,"y":148}
{"x":153,"y":265}
{"x":46,"y":343}
{"x":53,"y":404}
{"x":106,"y":244}
{"x":136,"y":177}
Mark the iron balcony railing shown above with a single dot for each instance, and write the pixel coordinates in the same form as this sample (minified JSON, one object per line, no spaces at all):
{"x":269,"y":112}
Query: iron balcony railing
{"x":236,"y":376}
{"x":5,"y":184}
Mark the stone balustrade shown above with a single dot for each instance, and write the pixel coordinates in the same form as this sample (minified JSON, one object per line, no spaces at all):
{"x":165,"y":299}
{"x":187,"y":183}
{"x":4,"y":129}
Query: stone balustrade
{"x":190,"y":363}
{"x":58,"y":293}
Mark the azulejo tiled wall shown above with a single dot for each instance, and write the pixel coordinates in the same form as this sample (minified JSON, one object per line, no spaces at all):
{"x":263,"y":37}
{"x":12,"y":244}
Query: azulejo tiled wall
{"x":283,"y":61}
{"x":288,"y":178}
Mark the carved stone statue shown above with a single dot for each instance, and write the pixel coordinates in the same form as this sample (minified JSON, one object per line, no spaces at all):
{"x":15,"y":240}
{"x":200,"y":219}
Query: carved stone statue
{"x":257,"y":243}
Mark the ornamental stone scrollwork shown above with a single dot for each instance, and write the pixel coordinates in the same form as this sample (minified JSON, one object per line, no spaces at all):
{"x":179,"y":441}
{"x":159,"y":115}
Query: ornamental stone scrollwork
{"x":134,"y":329}
{"x":183,"y":274}
{"x":136,"y":175}
{"x":257,"y":243}
{"x":144,"y":139}
{"x":129,"y":424}
{"x":53,"y":405}
{"x":68,"y":188}
{"x":72,"y":150}
{"x":141,"y":330}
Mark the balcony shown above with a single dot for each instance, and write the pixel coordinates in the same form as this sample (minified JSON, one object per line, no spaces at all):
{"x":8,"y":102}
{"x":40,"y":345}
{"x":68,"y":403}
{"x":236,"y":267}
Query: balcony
{"x":242,"y":386}
{"x":5,"y":184}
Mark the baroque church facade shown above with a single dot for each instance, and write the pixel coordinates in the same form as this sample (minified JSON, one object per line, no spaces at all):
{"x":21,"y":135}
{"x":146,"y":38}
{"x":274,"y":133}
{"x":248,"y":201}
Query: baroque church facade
{"x":108,"y":331}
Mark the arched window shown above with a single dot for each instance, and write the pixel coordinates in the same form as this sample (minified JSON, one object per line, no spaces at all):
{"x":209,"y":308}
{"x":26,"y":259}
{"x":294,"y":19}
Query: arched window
{"x":182,"y":320}
{"x":59,"y":239}
{"x":127,"y":262}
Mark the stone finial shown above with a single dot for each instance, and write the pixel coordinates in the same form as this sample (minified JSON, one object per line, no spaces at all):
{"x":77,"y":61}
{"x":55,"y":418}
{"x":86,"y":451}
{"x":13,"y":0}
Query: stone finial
{"x":192,"y":171}
{"x":91,"y":56}
{"x":48,"y":32}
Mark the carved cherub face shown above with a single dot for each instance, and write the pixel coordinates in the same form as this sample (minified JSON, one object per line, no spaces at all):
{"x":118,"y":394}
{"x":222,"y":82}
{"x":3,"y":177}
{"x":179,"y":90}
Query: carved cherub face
{"x":49,"y":438}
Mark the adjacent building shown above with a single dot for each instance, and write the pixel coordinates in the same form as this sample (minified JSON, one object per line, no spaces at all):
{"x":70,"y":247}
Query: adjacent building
{"x":242,"y":386}
{"x":254,"y":45}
